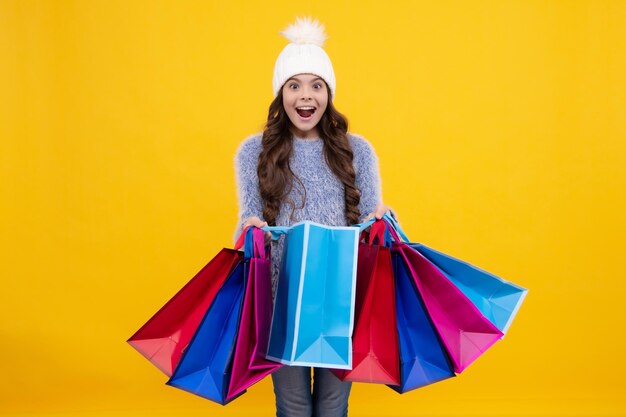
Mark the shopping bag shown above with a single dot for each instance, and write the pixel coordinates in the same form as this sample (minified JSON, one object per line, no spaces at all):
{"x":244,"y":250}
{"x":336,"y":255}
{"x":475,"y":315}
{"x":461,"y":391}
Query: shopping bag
{"x":464,"y":331}
{"x":249,"y":363}
{"x":375,"y":356}
{"x":163,"y":338}
{"x":498,"y":300}
{"x":226,"y":354}
{"x":204,"y":368}
{"x":313,"y":315}
{"x":423,"y":358}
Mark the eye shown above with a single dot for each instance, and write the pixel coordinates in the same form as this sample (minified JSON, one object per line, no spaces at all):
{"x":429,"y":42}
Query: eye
{"x":293,"y":85}
{"x":317,"y":85}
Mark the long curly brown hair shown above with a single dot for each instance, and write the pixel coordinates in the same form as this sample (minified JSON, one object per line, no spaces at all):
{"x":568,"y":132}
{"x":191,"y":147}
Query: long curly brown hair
{"x":276,"y":179}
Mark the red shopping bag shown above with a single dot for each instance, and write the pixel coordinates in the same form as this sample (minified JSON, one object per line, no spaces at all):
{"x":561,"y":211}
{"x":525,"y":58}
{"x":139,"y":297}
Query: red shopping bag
{"x":375,"y":352}
{"x":164,"y":337}
{"x":249,"y":364}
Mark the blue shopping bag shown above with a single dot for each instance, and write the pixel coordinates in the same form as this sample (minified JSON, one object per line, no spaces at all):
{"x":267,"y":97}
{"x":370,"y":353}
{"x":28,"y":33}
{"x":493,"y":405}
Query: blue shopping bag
{"x":204,"y":367}
{"x":423,"y":359}
{"x":497,"y":299}
{"x":314,"y":304}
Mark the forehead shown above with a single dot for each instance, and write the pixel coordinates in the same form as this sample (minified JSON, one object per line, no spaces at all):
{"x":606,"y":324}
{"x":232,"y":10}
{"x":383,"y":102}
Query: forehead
{"x":303,"y":78}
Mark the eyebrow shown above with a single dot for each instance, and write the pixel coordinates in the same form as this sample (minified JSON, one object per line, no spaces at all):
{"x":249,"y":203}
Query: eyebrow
{"x":295,"y":79}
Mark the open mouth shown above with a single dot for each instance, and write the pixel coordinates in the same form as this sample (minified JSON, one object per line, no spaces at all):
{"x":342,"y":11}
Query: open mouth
{"x":305,"y":112}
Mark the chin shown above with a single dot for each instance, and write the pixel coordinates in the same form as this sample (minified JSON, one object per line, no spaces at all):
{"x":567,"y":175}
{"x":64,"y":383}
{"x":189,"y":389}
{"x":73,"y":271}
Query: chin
{"x":305,"y":128}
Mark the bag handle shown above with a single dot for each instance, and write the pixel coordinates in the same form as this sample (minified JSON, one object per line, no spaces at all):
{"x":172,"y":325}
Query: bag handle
{"x":395,"y":228}
{"x":258,"y":238}
{"x":276,"y":231}
{"x":377,"y":231}
{"x":386,"y":229}
{"x":252,"y":239}
{"x":391,"y":233}
{"x":385,"y":232}
{"x":241,"y":239}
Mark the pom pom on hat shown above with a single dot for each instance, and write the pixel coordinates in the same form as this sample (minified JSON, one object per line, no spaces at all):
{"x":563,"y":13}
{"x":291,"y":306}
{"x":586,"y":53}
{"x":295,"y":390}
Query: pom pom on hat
{"x":305,"y":30}
{"x":304,"y":54}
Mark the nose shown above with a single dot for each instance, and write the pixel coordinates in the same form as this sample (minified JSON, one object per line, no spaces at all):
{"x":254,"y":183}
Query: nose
{"x":306,"y":93}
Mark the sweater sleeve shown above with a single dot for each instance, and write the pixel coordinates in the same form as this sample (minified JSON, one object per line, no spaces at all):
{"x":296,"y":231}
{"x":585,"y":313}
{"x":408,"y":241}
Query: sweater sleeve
{"x":249,"y":197}
{"x":367,"y":175}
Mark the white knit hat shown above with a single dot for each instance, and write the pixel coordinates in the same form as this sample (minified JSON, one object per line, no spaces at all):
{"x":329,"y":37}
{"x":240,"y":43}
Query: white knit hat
{"x":304,"y":54}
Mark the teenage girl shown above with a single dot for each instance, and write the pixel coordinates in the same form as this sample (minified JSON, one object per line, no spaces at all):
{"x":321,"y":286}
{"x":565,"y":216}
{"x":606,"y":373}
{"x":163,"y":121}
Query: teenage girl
{"x":306,"y":166}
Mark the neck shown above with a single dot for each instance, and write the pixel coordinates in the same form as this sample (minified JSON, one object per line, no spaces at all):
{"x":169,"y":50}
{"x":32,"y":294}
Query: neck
{"x":310,"y":134}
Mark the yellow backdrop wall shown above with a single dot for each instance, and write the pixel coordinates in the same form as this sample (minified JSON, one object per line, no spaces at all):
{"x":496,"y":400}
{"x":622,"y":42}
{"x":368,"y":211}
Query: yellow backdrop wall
{"x":500,"y":129}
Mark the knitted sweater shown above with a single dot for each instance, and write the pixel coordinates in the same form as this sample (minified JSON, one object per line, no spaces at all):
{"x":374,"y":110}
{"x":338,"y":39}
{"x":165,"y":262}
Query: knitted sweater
{"x":325,"y":200}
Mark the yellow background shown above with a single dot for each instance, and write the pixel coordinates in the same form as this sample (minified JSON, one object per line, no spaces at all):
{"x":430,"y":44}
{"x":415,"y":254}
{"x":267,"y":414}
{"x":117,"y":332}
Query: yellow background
{"x":500,"y":129}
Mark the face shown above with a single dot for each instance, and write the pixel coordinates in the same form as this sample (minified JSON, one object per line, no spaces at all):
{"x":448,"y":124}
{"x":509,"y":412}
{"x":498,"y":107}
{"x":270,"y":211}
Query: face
{"x":305,"y":98}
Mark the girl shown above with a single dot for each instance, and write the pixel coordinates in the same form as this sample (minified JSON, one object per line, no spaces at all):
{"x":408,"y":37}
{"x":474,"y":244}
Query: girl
{"x":306,"y":166}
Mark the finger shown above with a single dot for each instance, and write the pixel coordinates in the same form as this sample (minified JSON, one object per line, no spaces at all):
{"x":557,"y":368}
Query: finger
{"x":249,"y":222}
{"x":254,"y":221}
{"x":380,"y":211}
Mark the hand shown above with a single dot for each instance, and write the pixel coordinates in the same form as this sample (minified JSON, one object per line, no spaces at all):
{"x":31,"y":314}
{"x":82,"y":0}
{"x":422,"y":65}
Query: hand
{"x":256,"y":222}
{"x":379,"y":212}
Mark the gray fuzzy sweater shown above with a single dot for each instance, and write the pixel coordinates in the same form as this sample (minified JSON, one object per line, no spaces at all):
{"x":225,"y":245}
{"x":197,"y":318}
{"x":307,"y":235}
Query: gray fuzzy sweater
{"x":325,"y":200}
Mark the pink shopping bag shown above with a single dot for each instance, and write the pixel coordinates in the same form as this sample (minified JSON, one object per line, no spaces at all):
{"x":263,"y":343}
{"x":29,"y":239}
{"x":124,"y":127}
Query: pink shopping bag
{"x":249,"y":364}
{"x":464,"y":331}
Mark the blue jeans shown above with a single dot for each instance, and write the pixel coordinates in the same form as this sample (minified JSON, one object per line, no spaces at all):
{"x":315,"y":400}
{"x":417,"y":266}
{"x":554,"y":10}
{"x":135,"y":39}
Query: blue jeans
{"x":292,"y":386}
